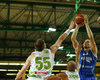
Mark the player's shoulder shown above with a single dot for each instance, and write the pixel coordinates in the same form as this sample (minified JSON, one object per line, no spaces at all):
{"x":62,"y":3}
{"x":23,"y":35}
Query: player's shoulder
{"x":33,"y":52}
{"x":30,"y":57}
{"x":45,"y":50}
{"x":76,"y":70}
{"x":61,"y":74}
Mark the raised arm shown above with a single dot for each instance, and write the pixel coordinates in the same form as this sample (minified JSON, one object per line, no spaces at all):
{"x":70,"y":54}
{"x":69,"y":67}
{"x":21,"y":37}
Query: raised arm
{"x":25,"y":67}
{"x":90,"y":35}
{"x":77,"y":50}
{"x":73,"y":37}
{"x":55,"y":47}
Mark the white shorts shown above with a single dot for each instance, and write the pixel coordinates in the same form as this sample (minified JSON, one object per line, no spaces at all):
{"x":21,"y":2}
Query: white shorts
{"x":33,"y":78}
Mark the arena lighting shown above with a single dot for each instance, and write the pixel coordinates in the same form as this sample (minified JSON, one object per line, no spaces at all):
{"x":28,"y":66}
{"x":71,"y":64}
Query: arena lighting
{"x":52,"y":74}
{"x":88,"y":0}
{"x":60,"y":64}
{"x":61,"y":47}
{"x":71,"y":55}
{"x":55,"y":70}
{"x":11,"y":74}
{"x":3,"y":69}
{"x":8,"y":70}
{"x":51,"y":29}
{"x":12,"y":70}
{"x":57,"y":64}
{"x":3,"y":63}
{"x":67,"y":0}
{"x":12,"y":63}
{"x":19,"y":70}
{"x":24,"y":64}
{"x":63,"y":70}
{"x":94,"y":0}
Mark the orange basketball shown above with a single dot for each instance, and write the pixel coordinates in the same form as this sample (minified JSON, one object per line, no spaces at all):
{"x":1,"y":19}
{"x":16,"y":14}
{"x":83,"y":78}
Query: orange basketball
{"x":79,"y":19}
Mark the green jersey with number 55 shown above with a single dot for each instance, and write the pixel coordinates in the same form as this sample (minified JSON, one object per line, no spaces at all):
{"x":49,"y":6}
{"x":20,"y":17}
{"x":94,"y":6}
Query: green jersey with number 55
{"x":41,"y":64}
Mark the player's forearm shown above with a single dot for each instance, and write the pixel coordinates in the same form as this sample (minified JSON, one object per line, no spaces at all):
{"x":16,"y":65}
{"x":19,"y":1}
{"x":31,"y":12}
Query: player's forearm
{"x":77,"y":59}
{"x":55,"y":47}
{"x":24,"y":68}
{"x":62,"y":37}
{"x":19,"y":75}
{"x":73,"y":37}
{"x":89,"y":32}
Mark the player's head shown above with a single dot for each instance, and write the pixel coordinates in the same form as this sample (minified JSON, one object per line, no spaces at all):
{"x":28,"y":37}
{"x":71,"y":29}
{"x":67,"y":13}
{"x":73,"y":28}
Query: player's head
{"x":40,"y":45}
{"x":87,"y":44}
{"x":71,"y":66}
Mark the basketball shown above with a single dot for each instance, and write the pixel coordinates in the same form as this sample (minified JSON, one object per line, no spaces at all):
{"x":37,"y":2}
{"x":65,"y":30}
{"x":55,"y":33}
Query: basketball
{"x":79,"y":19}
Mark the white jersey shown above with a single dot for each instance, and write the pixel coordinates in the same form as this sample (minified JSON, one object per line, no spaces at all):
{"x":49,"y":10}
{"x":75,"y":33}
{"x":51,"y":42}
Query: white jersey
{"x":73,"y":75}
{"x":41,"y":65}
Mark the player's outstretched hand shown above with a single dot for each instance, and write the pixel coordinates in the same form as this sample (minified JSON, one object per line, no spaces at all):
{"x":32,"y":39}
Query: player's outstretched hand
{"x":85,"y":19}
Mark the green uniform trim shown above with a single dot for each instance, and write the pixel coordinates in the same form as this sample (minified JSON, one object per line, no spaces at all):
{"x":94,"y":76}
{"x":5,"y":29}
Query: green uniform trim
{"x":73,"y":76}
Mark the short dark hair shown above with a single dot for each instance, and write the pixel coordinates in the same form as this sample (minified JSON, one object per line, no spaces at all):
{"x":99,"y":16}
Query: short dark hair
{"x":39,"y":45}
{"x":71,"y":65}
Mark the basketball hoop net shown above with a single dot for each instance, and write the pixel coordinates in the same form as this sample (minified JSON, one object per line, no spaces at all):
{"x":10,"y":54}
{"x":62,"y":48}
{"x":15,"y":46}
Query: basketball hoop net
{"x":98,"y":20}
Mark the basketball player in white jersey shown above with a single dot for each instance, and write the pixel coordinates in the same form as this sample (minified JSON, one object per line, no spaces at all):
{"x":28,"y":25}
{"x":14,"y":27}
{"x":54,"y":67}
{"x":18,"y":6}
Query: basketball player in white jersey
{"x":70,"y":74}
{"x":72,"y":69}
{"x":42,"y":59}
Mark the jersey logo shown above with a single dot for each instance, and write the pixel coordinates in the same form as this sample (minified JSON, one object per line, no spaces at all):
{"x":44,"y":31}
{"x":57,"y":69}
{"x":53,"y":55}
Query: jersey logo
{"x":85,"y":54}
{"x":87,"y":60}
{"x":41,"y":72}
